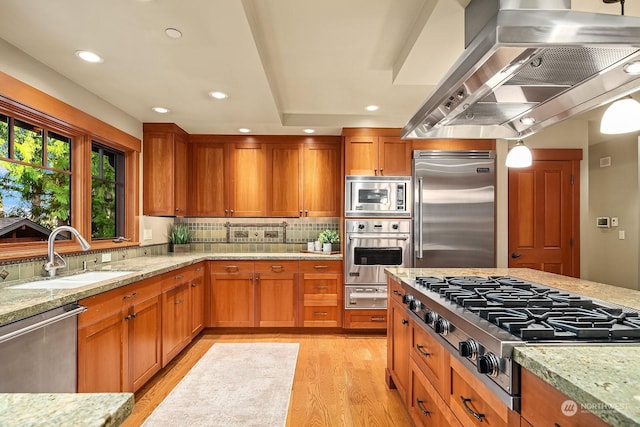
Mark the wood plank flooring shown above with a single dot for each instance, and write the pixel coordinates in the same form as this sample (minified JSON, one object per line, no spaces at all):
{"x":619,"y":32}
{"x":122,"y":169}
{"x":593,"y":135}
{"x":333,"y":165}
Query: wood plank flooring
{"x":339,"y":380}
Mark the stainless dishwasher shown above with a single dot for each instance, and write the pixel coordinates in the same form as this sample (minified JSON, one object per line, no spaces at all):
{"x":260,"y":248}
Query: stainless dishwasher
{"x":38,"y":354}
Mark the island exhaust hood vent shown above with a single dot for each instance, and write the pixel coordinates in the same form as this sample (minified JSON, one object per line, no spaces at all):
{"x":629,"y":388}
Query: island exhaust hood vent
{"x":530,"y":64}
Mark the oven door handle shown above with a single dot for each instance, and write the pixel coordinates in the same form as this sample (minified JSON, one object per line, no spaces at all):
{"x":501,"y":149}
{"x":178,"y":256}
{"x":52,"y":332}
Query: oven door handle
{"x":418,"y":219}
{"x":379,"y":236}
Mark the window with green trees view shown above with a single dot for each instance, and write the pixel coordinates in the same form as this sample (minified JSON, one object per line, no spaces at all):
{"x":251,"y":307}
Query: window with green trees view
{"x":35,"y":173}
{"x":107,"y":192}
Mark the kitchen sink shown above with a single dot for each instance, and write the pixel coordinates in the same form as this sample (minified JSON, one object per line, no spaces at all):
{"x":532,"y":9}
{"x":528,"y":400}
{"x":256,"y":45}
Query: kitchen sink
{"x":72,"y":282}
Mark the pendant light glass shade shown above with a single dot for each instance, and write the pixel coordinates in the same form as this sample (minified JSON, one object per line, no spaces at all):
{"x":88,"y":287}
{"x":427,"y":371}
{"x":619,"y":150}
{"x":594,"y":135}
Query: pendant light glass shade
{"x":622,"y":116}
{"x":519,"y":156}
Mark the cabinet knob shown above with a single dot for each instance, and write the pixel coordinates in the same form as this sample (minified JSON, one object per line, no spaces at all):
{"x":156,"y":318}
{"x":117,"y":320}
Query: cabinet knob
{"x":193,"y":285}
{"x":381,"y":171}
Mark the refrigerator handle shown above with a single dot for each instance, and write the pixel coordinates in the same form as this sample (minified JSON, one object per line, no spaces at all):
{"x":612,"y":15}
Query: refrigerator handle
{"x":419,"y":219}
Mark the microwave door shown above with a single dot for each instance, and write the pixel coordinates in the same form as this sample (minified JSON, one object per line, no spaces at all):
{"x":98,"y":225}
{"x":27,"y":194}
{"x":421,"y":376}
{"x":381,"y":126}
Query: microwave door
{"x":373,"y":198}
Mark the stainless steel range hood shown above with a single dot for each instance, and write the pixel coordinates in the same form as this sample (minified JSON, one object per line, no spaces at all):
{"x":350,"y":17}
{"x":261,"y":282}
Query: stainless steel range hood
{"x":529,"y":64}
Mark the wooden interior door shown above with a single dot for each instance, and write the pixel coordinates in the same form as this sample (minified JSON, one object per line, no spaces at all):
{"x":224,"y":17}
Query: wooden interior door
{"x":544,"y":212}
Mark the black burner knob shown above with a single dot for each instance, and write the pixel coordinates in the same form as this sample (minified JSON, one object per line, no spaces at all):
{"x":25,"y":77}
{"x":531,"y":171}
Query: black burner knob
{"x":406,"y":298}
{"x":441,"y":326}
{"x":415,"y":305}
{"x":489,"y":364}
{"x":468,"y":348}
{"x":361,"y":226}
{"x":430,"y":317}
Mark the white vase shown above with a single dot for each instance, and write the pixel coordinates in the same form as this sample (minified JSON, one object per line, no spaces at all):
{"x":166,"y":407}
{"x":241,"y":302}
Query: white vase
{"x":326,"y":247}
{"x":317,"y":245}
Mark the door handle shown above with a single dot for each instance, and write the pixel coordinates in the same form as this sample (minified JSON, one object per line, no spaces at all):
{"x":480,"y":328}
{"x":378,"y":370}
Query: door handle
{"x":418,"y":221}
{"x":515,"y":255}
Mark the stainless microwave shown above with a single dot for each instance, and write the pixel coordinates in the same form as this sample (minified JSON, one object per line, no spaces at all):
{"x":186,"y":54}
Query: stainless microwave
{"x":378,"y":196}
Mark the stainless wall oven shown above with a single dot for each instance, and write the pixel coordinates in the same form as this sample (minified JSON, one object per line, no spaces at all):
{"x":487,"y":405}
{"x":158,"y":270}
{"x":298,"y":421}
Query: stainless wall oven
{"x":378,"y":196}
{"x":371,"y":246}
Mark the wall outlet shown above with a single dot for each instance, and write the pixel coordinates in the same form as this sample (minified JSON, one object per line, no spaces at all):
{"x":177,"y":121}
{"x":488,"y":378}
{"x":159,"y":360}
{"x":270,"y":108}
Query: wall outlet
{"x":148,"y":234}
{"x":106,"y":257}
{"x":614,"y":221}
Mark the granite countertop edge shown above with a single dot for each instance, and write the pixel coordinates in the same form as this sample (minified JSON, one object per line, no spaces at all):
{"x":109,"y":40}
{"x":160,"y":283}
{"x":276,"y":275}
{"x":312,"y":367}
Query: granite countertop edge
{"x":59,"y":409}
{"x":597,"y":377}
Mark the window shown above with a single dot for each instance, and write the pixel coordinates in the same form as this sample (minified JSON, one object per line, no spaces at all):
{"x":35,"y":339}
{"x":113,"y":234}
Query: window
{"x":35,"y":175}
{"x":107,"y":192}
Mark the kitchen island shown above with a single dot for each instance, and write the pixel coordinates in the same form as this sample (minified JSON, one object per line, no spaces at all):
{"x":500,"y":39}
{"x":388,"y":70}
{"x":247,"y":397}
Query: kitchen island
{"x":603,"y":379}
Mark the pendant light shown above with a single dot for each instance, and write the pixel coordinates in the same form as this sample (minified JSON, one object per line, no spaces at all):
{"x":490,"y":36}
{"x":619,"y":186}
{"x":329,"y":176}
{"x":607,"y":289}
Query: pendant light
{"x":622,"y":116}
{"x":519,"y":156}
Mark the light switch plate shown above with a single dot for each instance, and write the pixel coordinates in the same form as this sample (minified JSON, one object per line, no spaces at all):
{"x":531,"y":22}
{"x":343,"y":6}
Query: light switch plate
{"x":621,"y":234}
{"x":148,"y":234}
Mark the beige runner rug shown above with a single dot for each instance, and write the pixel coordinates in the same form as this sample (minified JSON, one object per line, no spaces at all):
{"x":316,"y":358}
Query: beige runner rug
{"x":243,"y":384}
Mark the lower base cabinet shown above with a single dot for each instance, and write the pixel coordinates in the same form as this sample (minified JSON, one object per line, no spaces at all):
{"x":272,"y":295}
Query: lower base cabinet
{"x":365,"y":319}
{"x":425,"y":405}
{"x":321,"y":293}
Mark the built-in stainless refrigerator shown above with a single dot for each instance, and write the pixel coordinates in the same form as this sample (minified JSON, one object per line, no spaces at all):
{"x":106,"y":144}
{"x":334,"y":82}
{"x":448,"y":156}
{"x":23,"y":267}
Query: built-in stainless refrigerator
{"x":454,"y":208}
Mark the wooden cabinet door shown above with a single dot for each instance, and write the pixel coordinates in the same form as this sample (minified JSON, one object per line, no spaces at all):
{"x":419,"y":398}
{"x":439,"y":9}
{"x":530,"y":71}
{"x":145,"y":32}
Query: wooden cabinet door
{"x":102,"y":355}
{"x":145,"y":340}
{"x":361,"y":155}
{"x":197,"y":297}
{"x":176,"y":321}
{"x":322,"y":180}
{"x":283,"y":180}
{"x":248,"y":191}
{"x":400,"y":347}
{"x":232,"y":299}
{"x":158,"y":174}
{"x":209,"y":182}
{"x":277,"y":293}
{"x":394,"y":156}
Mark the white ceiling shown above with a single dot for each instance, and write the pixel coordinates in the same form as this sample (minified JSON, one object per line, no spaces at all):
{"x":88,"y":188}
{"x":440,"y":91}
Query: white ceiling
{"x":287,"y":65}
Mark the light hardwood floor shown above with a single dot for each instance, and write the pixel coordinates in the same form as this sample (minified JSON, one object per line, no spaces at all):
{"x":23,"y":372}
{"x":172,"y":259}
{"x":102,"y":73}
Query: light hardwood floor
{"x":339,"y":380}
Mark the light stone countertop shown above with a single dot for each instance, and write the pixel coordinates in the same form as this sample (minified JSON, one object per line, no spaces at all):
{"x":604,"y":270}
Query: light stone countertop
{"x":64,"y":409}
{"x":604,"y":379}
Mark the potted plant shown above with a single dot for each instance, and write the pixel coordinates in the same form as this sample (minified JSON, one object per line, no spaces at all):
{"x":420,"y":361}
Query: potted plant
{"x":328,"y":238}
{"x":180,"y":236}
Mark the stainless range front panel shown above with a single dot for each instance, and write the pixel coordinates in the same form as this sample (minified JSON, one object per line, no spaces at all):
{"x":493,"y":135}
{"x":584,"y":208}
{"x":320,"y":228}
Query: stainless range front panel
{"x":377,"y":196}
{"x":373,"y":245}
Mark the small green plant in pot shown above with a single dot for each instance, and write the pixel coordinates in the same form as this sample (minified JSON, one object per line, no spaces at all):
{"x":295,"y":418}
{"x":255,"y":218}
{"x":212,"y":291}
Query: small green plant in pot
{"x":329,"y":240}
{"x":179,"y":236}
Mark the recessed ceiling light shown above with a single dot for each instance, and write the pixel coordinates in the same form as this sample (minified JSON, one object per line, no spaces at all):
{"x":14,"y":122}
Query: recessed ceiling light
{"x":527,"y":120}
{"x":85,"y":55}
{"x":172,"y":33}
{"x":371,"y":108}
{"x":244,"y":130}
{"x":160,"y":110}
{"x":218,"y":95}
{"x":632,"y":67}
{"x":309,"y":131}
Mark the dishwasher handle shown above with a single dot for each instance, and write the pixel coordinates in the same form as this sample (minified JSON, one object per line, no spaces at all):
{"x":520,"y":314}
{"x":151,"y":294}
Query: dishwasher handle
{"x":46,"y":322}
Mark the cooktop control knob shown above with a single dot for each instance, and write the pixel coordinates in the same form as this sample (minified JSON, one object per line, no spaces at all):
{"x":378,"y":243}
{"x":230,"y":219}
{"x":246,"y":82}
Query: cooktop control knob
{"x":489,"y":364}
{"x":361,"y":226}
{"x":442,"y":326}
{"x":430,"y":317}
{"x":406,"y":299}
{"x":468,"y":348}
{"x":415,"y":305}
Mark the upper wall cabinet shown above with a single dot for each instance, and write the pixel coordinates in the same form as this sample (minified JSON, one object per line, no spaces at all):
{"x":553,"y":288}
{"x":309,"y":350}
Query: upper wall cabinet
{"x":376,"y":152}
{"x":165,"y":166}
{"x":322,"y":179}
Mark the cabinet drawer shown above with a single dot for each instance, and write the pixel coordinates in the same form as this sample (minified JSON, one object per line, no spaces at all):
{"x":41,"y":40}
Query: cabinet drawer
{"x":431,"y":357}
{"x":319,"y":284}
{"x":101,"y":306}
{"x":321,"y":266}
{"x":365,"y":319}
{"x":425,"y":405}
{"x":175,"y":278}
{"x":537,"y":394}
{"x":276,"y":266}
{"x":324,"y":316}
{"x":395,"y":290}
{"x":232,"y":266}
{"x":143,"y":290}
{"x":472,"y":402}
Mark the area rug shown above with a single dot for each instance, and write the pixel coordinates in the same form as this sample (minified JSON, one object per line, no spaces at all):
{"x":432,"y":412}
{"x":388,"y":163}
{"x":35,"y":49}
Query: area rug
{"x":243,"y":384}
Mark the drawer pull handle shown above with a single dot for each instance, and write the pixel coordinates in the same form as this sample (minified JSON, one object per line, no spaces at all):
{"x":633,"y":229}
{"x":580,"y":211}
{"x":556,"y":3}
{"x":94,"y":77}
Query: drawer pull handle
{"x":378,"y":319}
{"x":231,"y":268}
{"x":477,"y":415}
{"x":130,"y":296}
{"x":396,"y":292}
{"x":321,"y":287}
{"x":179,"y":276}
{"x":419,"y":404}
{"x":320,"y":267}
{"x":277,"y":268}
{"x":320,"y":313}
{"x":405,"y":321}
{"x":421,"y":351}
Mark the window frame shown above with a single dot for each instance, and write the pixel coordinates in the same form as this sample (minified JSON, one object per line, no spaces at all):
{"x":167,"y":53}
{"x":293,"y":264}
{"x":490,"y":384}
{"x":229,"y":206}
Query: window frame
{"x":25,"y":103}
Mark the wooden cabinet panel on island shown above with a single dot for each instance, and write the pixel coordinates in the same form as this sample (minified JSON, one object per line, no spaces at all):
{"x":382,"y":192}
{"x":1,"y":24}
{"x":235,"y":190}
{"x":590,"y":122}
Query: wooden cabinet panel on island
{"x":232,"y":294}
{"x":119,"y":339}
{"x":165,"y":166}
{"x":321,"y":293}
{"x":377,"y":155}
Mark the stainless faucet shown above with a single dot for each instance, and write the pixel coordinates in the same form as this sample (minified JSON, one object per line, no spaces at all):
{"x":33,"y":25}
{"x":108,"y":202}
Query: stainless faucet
{"x":52,"y":264}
